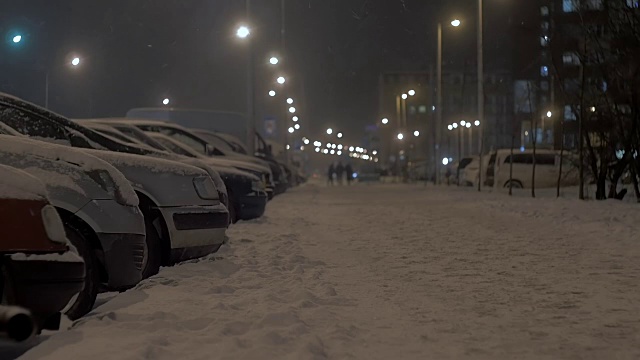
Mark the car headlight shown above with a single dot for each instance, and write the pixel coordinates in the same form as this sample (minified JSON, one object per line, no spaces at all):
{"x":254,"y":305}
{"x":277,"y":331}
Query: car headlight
{"x":103,"y":178}
{"x":53,"y":224}
{"x":205,"y":188}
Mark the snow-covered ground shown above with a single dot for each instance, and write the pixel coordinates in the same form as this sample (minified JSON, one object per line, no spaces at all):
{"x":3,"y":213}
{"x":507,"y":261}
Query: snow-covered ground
{"x":388,"y":272}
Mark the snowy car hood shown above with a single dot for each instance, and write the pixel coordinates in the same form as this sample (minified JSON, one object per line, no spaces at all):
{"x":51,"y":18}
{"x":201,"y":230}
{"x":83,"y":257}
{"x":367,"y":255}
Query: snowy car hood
{"x":18,"y":184}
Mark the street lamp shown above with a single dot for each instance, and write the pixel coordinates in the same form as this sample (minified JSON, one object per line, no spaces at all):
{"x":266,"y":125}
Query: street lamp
{"x":476,"y":123}
{"x":16,"y":39}
{"x":455,"y":125}
{"x":75,"y":61}
{"x":289,"y":101}
{"x":463,"y":123}
{"x":165,"y":101}
{"x":272,"y":93}
{"x":273,"y":61}
{"x":455,"y":23}
{"x":339,"y":135}
{"x":404,"y":96}
{"x":292,"y":110}
{"x":400,"y":136}
{"x":450,"y":127}
{"x":243,"y":32}
{"x":329,"y":131}
{"x":295,"y":118}
{"x":411,"y":92}
{"x":281,"y":80}
{"x":416,"y":133}
{"x":385,"y":121}
{"x":549,"y":113}
{"x":291,"y":130}
{"x":296,"y":126}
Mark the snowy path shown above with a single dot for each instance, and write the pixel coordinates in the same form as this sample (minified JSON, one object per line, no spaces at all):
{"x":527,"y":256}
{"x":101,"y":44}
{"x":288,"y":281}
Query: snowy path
{"x":388,"y":272}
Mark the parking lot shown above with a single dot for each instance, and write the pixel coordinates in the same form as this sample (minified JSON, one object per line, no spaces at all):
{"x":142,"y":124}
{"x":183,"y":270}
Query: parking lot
{"x":387,"y":271}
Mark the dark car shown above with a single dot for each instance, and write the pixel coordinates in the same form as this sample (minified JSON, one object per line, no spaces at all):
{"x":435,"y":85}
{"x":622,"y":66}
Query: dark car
{"x":39,"y":272}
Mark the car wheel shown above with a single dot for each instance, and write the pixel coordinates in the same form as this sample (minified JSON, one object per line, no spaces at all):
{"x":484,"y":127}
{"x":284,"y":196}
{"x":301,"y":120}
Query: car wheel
{"x":153,"y":250}
{"x":515,"y":184}
{"x":83,"y":302}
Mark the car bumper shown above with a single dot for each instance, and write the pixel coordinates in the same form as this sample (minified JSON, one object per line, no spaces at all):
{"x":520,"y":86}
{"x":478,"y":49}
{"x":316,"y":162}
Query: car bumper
{"x":44,"y":287}
{"x":195,"y":231}
{"x":252,"y":205}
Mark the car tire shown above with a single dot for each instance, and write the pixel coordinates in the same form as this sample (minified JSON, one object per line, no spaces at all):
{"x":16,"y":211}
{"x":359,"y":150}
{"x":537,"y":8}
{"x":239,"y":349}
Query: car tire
{"x":515,"y":184}
{"x":86,"y":298}
{"x":153,"y":251}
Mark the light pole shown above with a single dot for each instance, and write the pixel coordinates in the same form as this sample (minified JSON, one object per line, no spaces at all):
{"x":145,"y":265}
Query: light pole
{"x":243,"y":32}
{"x":480,"y":87}
{"x":438,"y":130}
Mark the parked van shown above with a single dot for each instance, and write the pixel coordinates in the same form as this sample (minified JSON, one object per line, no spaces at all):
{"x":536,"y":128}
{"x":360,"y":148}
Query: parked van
{"x":547,"y":168}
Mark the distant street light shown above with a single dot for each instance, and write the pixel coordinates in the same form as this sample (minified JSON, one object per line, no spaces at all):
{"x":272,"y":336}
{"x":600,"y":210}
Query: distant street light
{"x":468,"y":125}
{"x":272,"y":93}
{"x":296,"y":126}
{"x":295,"y":119}
{"x":273,"y":61}
{"x":243,"y":32}
{"x":463,"y":123}
{"x":291,"y":130}
{"x":75,"y":61}
{"x":411,"y":92}
{"x":416,"y":133}
{"x":476,"y":123}
{"x":329,"y":131}
{"x":289,"y":101}
{"x":281,"y":80}
{"x":385,"y":121}
{"x":445,"y":161}
{"x":165,"y":101}
{"x":549,"y":114}
{"x":455,"y":23}
{"x":16,"y":39}
{"x":455,"y":125}
{"x":292,"y":110}
{"x":400,"y":136}
{"x":404,"y":96}
{"x":339,"y":135}
{"x":450,"y":127}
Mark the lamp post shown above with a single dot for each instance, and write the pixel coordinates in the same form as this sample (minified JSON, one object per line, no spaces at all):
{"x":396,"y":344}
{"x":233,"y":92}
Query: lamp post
{"x":243,"y":32}
{"x":480,"y":87}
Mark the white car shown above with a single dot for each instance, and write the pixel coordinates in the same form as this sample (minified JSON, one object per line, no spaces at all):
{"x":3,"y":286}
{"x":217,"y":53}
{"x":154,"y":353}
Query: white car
{"x":98,"y":207}
{"x":184,"y":218}
{"x":547,"y":169}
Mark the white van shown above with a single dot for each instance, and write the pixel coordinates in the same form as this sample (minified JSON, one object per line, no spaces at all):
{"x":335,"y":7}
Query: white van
{"x":547,"y":168}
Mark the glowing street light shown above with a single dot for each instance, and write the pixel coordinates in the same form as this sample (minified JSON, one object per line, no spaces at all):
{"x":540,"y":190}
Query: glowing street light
{"x":329,"y":131}
{"x":289,"y":101}
{"x":476,"y":123}
{"x":385,"y":121}
{"x":75,"y":61}
{"x":404,"y":96}
{"x":400,"y":136}
{"x":306,"y":141}
{"x":445,"y":161}
{"x":339,"y":135}
{"x":411,"y":92}
{"x":16,"y":39}
{"x":455,"y":125}
{"x":296,"y":126}
{"x":455,"y":23}
{"x":450,"y":127}
{"x":274,"y":60}
{"x":281,"y":80}
{"x":165,"y":101}
{"x":292,"y":110}
{"x":291,"y":130}
{"x":272,"y":93}
{"x":295,"y":118}
{"x":243,"y":32}
{"x":468,"y":125}
{"x":374,"y":152}
{"x":463,"y":123}
{"x":549,"y":114}
{"x":416,"y":133}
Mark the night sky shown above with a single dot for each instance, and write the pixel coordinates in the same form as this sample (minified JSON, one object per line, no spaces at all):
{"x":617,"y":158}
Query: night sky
{"x":138,"y":52}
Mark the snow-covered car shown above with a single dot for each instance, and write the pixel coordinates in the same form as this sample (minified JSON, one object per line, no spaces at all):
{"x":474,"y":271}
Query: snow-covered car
{"x":469,"y":172}
{"x":98,"y":207}
{"x":201,"y":146}
{"x":183,"y":215}
{"x":37,"y":269}
{"x":124,"y":126}
{"x":517,"y":169}
{"x":247,"y":194}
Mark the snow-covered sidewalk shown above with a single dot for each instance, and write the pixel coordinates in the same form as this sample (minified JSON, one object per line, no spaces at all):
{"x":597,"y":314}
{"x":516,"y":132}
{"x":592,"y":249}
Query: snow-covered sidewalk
{"x":388,"y":272}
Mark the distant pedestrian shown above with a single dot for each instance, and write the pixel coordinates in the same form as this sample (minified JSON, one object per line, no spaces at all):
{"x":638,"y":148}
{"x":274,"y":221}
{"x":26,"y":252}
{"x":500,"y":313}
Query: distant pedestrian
{"x":349,"y":170}
{"x":332,"y":171}
{"x":339,"y":172}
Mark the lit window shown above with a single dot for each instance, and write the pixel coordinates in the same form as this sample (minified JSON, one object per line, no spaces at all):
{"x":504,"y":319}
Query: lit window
{"x":570,"y":58}
{"x":633,"y":3}
{"x":569,"y":5}
{"x":544,"y":71}
{"x":544,"y":10}
{"x":569,"y":115}
{"x":544,"y":40}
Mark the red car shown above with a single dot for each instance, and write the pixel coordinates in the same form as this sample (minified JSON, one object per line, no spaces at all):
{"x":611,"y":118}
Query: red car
{"x":39,"y":272}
